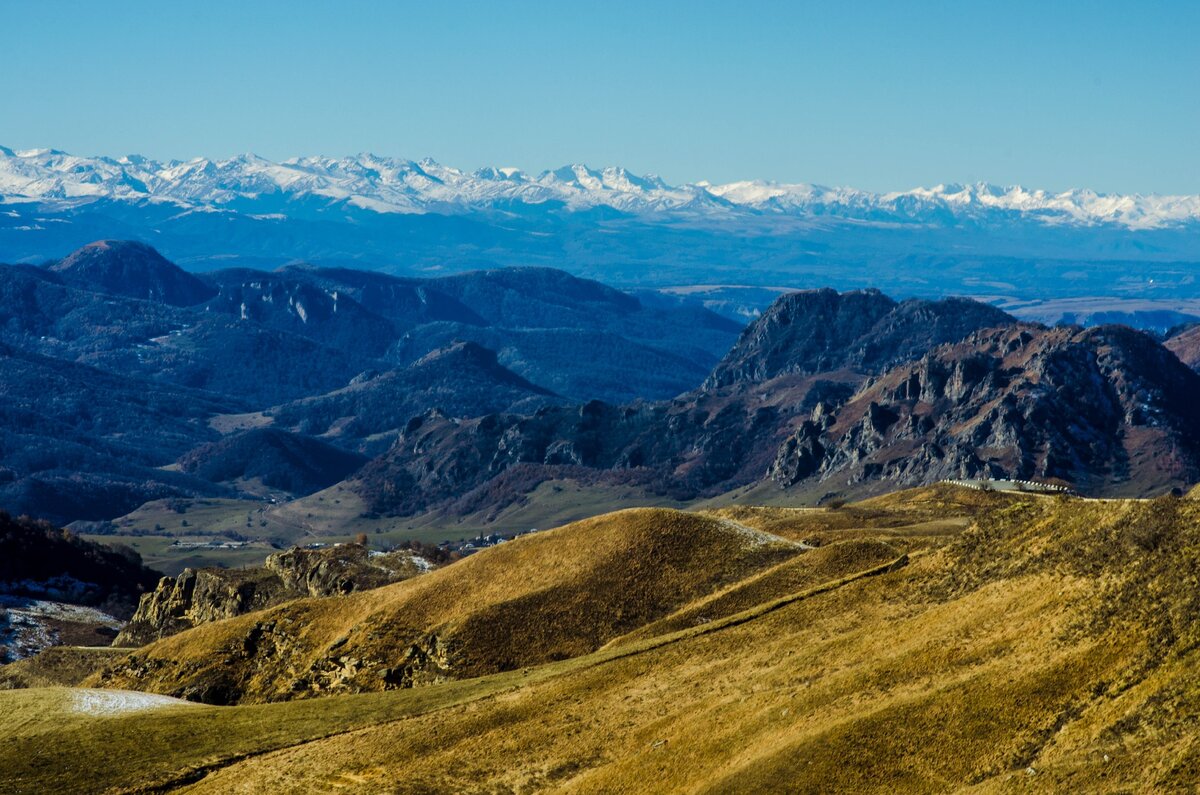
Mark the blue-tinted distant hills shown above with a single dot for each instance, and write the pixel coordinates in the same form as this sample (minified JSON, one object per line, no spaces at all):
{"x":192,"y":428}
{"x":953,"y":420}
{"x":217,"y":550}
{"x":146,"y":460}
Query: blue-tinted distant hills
{"x":408,"y":217}
{"x":115,"y":361}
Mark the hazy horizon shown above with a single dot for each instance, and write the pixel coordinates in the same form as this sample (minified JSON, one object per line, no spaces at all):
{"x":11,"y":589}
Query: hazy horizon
{"x":878,"y":97}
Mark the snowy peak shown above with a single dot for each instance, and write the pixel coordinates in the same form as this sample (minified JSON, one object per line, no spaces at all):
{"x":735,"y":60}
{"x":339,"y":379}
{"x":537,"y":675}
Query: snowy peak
{"x":394,"y":185}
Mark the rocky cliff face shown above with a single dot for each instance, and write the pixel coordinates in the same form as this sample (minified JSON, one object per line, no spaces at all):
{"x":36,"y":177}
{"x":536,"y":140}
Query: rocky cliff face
{"x":817,"y":331}
{"x":1106,"y":408}
{"x":810,"y":351}
{"x":200,"y":596}
{"x":704,"y":443}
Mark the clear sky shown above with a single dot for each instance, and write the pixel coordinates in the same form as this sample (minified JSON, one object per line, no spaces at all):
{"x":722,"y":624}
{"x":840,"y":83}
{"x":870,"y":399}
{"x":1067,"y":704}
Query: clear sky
{"x":879,"y":96}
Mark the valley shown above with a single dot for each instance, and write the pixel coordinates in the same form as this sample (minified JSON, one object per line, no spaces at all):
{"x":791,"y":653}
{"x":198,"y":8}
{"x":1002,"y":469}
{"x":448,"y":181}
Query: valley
{"x":407,"y":547}
{"x":238,"y":412}
{"x":724,"y":398}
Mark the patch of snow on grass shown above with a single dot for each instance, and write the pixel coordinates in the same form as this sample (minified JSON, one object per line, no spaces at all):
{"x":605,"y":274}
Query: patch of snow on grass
{"x":43,"y":608}
{"x":759,"y":538}
{"x":106,"y":703}
{"x":24,"y":630}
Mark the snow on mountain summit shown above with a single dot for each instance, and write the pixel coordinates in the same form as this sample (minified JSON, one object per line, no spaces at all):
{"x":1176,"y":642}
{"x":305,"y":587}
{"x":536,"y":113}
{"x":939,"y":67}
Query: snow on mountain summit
{"x":395,"y":185}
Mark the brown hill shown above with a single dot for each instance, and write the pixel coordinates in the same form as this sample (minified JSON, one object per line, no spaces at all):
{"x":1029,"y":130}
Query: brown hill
{"x":542,"y":597}
{"x":1048,"y":647}
{"x":1186,"y":345}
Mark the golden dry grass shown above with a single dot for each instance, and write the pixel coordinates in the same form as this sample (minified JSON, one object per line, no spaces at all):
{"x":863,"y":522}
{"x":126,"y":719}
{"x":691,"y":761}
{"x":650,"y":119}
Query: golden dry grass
{"x":58,"y":666}
{"x":539,"y":598}
{"x":1051,"y":646}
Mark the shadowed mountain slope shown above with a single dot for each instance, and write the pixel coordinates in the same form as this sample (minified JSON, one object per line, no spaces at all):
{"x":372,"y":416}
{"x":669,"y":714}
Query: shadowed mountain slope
{"x":580,"y":364}
{"x":460,"y":380}
{"x":78,"y":442}
{"x":280,"y":460}
{"x":121,"y":306}
{"x":131,"y":269}
{"x":283,"y":302}
{"x":40,"y":560}
{"x":544,"y":298}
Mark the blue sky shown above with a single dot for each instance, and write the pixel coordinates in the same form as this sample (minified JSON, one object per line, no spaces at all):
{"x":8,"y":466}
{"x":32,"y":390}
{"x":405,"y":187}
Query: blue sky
{"x":875,"y":95}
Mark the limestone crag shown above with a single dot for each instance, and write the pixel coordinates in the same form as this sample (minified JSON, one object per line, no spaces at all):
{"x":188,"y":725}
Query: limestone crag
{"x":1105,"y":407}
{"x":198,"y":596}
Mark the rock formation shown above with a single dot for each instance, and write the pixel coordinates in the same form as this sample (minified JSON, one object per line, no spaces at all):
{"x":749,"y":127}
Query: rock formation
{"x":198,"y":596}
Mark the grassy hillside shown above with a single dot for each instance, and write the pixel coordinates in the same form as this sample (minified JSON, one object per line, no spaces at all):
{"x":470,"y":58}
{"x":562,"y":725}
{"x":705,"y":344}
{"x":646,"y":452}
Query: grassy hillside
{"x":1049,"y":645}
{"x":538,"y":598}
{"x":58,"y":665}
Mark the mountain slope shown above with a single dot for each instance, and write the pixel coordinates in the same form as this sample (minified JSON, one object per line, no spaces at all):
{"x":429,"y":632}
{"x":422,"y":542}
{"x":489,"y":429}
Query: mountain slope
{"x":462,"y":379}
{"x":810,"y":351}
{"x":38,"y":559}
{"x":580,"y":364}
{"x":186,"y":346}
{"x":1186,"y":345}
{"x":51,"y":583}
{"x":1106,"y":408}
{"x":289,"y":462}
{"x":293,"y":305}
{"x":273,"y":337}
{"x":1047,"y":647}
{"x":818,"y":331}
{"x":538,"y":598}
{"x":134,"y":270}
{"x":77,"y":442}
{"x":201,"y":596}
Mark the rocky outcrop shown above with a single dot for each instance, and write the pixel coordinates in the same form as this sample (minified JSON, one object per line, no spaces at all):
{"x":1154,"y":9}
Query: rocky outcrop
{"x":816,"y":331}
{"x":1106,"y":408}
{"x":198,"y":596}
{"x":807,"y":354}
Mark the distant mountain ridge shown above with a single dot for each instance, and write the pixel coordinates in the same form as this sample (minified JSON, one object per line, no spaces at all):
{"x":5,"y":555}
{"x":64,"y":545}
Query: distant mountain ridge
{"x":116,"y":361}
{"x":460,"y":395}
{"x":421,"y":219}
{"x":397,"y":185}
{"x":815,"y":331}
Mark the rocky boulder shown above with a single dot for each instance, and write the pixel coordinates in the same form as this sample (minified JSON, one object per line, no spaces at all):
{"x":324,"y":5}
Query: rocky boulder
{"x":199,"y":596}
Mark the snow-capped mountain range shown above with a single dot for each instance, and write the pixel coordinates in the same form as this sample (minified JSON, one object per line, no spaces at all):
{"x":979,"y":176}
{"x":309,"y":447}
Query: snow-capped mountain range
{"x":392,"y":185}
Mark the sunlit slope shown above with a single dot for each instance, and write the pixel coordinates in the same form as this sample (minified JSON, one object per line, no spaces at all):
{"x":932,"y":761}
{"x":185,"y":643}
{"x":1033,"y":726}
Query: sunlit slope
{"x":1050,"y":646}
{"x":542,"y":597}
{"x":58,"y":665}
